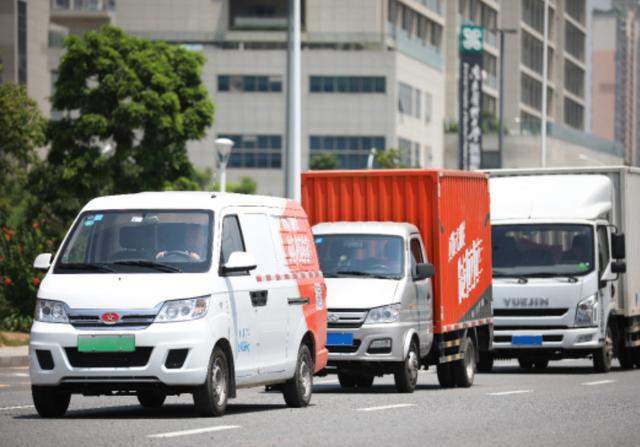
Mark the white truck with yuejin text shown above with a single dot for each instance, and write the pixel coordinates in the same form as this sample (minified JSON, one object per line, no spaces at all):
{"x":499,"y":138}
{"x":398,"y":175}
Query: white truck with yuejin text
{"x":156,"y":294}
{"x":566,"y":265}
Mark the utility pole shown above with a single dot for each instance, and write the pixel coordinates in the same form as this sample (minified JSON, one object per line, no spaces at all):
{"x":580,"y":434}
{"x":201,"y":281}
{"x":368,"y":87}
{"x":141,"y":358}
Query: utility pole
{"x":293,"y":156}
{"x":545,"y":73}
{"x":502,"y":32}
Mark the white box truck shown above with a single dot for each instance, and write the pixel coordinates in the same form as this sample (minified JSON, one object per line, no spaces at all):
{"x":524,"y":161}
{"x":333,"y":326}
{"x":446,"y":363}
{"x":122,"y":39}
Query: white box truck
{"x":564,"y":286}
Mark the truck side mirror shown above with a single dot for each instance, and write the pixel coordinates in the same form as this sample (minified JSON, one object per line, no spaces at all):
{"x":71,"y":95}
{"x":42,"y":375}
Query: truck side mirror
{"x":618,"y":267}
{"x":423,"y":271}
{"x":618,"y":250}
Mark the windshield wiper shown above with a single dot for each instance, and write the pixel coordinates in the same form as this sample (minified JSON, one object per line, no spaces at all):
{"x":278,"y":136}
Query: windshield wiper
{"x":522,"y":279}
{"x":363,"y":274}
{"x":88,"y":267}
{"x":154,"y":265}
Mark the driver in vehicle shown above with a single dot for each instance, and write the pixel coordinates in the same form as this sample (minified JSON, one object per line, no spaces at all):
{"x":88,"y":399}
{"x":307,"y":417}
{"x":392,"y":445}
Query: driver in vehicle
{"x":193,"y":243}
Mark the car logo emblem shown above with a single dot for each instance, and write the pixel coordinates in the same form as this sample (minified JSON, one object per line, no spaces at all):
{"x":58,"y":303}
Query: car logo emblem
{"x":333,"y":318}
{"x":110,"y":318}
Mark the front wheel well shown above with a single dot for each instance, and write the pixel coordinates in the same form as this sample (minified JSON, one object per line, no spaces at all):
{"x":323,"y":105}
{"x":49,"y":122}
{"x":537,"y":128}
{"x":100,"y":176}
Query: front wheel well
{"x":224,"y":344}
{"x":310,"y":341}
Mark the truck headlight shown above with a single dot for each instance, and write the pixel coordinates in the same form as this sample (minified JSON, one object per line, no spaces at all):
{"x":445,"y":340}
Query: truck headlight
{"x":587,"y":311}
{"x":183,"y":310}
{"x":50,"y":311}
{"x":384,"y":314}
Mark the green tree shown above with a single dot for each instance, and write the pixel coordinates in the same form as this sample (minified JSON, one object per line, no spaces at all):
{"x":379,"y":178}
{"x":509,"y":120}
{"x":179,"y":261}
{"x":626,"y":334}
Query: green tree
{"x":323,"y":161}
{"x":246,"y":185}
{"x":144,"y":99}
{"x":22,"y":131}
{"x":389,"y":159}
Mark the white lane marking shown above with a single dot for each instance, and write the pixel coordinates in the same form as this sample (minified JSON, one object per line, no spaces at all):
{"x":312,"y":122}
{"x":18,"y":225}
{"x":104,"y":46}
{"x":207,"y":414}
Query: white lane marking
{"x":14,"y":375}
{"x":599,"y":382}
{"x":386,"y":407}
{"x":508,"y":393}
{"x":325,"y":382}
{"x":196,"y":431}
{"x":19,"y":407}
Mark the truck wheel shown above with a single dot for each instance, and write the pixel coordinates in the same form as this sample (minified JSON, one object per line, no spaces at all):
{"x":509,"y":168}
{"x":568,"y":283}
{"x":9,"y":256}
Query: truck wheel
{"x":297,"y":391}
{"x":49,"y":401}
{"x":445,"y":375}
{"x":485,"y":364}
{"x":211,"y":398}
{"x":525,"y":363}
{"x":464,"y":371}
{"x":541,"y":364}
{"x":602,"y":357}
{"x":151,"y":399}
{"x":635,"y":354}
{"x":406,"y":375}
{"x":626,"y":356}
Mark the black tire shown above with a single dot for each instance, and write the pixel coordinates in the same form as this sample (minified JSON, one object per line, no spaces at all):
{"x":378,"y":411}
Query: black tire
{"x":49,"y":401}
{"x":485,"y":365}
{"x":445,"y":375}
{"x":346,"y":380}
{"x":603,"y":357}
{"x":635,"y":355}
{"x":297,"y":391}
{"x":541,"y":364}
{"x":525,"y":363}
{"x":406,"y":374}
{"x":151,"y":399}
{"x":626,"y":355}
{"x":211,"y":398}
{"x":464,"y":371}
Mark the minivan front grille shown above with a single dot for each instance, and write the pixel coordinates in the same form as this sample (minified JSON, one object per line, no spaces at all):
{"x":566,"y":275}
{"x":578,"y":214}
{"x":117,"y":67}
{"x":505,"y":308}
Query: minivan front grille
{"x":346,"y":318}
{"x":137,"y":358}
{"x":92,"y":320}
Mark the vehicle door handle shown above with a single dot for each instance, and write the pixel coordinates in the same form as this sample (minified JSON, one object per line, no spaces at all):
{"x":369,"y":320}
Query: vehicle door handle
{"x":298,"y":301}
{"x":259,"y":298}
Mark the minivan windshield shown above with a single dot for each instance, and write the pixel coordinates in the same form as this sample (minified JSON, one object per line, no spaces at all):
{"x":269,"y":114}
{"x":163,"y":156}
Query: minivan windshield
{"x":542,"y":250}
{"x":138,"y":241}
{"x":360,"y":255}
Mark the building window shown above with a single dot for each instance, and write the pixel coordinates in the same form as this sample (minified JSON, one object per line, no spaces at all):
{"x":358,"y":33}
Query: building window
{"x":255,"y":151}
{"x":347,"y":84}
{"x":574,"y":41}
{"x":573,"y":78}
{"x":415,"y":25}
{"x":428,"y":107}
{"x":576,"y":9}
{"x":489,"y":105}
{"x":409,"y":153}
{"x":352,"y":152}
{"x":573,"y":114}
{"x":533,"y":14}
{"x":532,"y":52}
{"x":244,"y":83}
{"x":531,"y":92}
{"x":490,"y":65}
{"x":409,"y":100}
{"x":261,"y":14}
{"x":22,"y":42}
{"x":529,"y":124}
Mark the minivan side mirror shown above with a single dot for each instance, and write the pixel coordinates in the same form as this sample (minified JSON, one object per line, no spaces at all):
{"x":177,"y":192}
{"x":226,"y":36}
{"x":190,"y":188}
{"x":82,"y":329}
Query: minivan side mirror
{"x":239,"y":261}
{"x":423,"y":271}
{"x":618,"y":267}
{"x":42,"y":261}
{"x":618,"y":250}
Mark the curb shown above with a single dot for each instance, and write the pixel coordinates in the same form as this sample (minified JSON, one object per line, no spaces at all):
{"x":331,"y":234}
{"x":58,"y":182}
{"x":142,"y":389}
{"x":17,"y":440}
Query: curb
{"x":13,"y":361}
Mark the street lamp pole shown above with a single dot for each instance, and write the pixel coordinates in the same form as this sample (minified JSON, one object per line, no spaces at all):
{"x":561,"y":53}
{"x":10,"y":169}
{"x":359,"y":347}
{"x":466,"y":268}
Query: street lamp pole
{"x":223,"y":148}
{"x":293,"y":158}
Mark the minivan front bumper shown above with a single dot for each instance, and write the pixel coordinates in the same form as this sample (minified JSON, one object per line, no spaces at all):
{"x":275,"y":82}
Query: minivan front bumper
{"x":153,"y":345}
{"x":364,"y":336}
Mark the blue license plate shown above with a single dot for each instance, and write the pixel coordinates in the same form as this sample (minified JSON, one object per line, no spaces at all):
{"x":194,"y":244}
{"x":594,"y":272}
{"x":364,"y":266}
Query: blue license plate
{"x":526,"y":340}
{"x":339,"y":339}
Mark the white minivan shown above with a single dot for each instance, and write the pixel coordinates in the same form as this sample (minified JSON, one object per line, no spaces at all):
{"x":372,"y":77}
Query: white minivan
{"x":157,"y":294}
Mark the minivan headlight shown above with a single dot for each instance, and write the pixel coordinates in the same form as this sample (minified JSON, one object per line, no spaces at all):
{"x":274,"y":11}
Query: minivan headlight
{"x":50,"y":311}
{"x":183,"y":310}
{"x":586,"y":313}
{"x":384,"y":314}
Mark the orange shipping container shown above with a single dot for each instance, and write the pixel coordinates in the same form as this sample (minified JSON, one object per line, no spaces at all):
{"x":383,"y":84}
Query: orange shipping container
{"x":451,"y":210}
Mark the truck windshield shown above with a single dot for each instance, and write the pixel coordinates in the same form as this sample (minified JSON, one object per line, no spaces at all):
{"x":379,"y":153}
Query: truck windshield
{"x":531,"y":250}
{"x":138,"y":241}
{"x":361,"y":255}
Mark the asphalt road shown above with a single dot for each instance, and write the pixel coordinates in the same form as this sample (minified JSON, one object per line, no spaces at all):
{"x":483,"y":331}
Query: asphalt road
{"x":565,"y":405}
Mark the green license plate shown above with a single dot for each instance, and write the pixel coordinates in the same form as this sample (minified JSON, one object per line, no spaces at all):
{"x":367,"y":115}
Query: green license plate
{"x":106,"y":343}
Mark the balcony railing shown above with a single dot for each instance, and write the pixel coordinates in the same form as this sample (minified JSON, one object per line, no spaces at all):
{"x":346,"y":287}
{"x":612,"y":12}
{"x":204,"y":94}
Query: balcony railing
{"x":83,"y":5}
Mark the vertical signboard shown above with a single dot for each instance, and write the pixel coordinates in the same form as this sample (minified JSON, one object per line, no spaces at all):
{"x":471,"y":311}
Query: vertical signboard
{"x":470,"y":98}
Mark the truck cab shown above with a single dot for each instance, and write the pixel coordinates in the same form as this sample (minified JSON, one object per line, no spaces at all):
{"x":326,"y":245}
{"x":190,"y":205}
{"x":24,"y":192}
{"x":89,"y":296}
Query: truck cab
{"x":554,"y":268}
{"x":379,"y":300}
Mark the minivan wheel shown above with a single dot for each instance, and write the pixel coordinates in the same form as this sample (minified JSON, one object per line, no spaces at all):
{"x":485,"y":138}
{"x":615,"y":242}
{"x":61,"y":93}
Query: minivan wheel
{"x":406,"y":375}
{"x":541,"y":364}
{"x":297,"y":391}
{"x":464,"y":371}
{"x":49,"y":401}
{"x":445,"y":375}
{"x":603,"y":357}
{"x":211,"y":398}
{"x":151,"y":399}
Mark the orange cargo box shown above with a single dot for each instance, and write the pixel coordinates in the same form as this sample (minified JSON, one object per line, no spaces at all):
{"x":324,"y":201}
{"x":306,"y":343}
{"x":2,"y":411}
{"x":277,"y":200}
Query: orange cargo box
{"x":451,"y":210}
